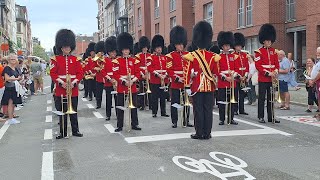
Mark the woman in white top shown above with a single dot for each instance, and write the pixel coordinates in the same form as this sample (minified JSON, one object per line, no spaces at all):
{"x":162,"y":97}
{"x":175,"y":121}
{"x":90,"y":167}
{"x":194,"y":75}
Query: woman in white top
{"x":252,"y":74}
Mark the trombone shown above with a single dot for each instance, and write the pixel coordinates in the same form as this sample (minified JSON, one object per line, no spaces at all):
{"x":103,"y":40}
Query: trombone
{"x":184,"y":101}
{"x":232,"y":98}
{"x":130,"y":101}
{"x":275,"y":84}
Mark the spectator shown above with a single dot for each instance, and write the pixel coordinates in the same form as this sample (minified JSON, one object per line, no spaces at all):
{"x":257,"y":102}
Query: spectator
{"x":292,"y":81}
{"x":11,"y":97}
{"x":252,"y":97}
{"x":284,"y":78}
{"x":4,"y":107}
{"x":31,"y":84}
{"x":36,"y":71}
{"x":315,"y":75}
{"x":1,"y":89}
{"x":310,"y":88}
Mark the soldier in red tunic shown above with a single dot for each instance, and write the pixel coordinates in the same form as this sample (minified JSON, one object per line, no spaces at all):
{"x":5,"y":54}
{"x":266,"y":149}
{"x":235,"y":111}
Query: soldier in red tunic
{"x":144,"y":46}
{"x":243,"y":72}
{"x":62,"y":65}
{"x":200,"y":81}
{"x":88,"y":72}
{"x":122,"y":67}
{"x":267,"y":64}
{"x":228,"y":68}
{"x":176,"y":71}
{"x":99,"y":64}
{"x":158,"y":76}
{"x":111,"y":49}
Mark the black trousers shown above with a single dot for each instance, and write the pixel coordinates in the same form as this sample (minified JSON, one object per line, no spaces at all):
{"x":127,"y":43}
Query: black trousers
{"x":109,"y":100}
{"x":265,"y":88}
{"x":86,"y":87}
{"x":143,"y":100}
{"x":157,"y":94}
{"x":241,"y":95}
{"x":311,"y":96}
{"x":91,"y":87}
{"x":202,"y":107}
{"x":175,"y":98}
{"x":52,"y":86}
{"x":120,"y":113}
{"x":99,"y":92}
{"x":224,"y":95}
{"x":73,"y":117}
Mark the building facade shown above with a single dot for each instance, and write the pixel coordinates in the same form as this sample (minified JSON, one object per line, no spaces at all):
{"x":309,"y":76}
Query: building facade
{"x":82,"y":42}
{"x":140,"y":20}
{"x":101,"y":18}
{"x":24,"y":42}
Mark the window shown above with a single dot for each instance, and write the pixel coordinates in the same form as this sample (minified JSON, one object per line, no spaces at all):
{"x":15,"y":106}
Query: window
{"x":173,"y":22}
{"x":208,"y":13}
{"x":156,"y":9}
{"x":19,"y":28}
{"x":172,"y":5}
{"x":249,"y":13}
{"x":290,"y":4}
{"x":139,"y":17}
{"x":138,"y":1}
{"x":252,"y":44}
{"x":241,"y":14}
{"x":157,"y":28}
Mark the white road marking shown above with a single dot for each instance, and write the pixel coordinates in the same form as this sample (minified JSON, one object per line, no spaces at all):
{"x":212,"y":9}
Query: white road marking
{"x":4,"y":129}
{"x":47,"y":134}
{"x":48,"y":118}
{"x":47,"y":166}
{"x":187,"y":135}
{"x":49,"y":101}
{"x":90,"y":106}
{"x":49,"y":108}
{"x":258,"y":125}
{"x":46,"y":87}
{"x":110,"y":128}
{"x":84,"y":99}
{"x":98,"y":115}
{"x":309,"y":120}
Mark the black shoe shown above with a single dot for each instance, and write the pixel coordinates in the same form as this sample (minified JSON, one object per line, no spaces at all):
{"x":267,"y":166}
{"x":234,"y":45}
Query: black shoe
{"x":236,"y":113}
{"x":164,"y":115}
{"x":244,"y":113}
{"x":195,"y":136}
{"x":77,"y":134}
{"x":108,"y":119}
{"x":90,"y":99}
{"x":60,"y":137}
{"x":154,"y":115}
{"x":276,"y":121}
{"x":221,"y":123}
{"x":233,"y":122}
{"x":136,"y":128}
{"x":207,"y":136}
{"x":308,"y":110}
{"x":85,"y":96}
{"x":318,"y":110}
{"x":261,"y":120}
{"x":142,"y":109}
{"x":189,"y":125}
{"x":98,"y":107}
{"x":118,"y":129}
{"x":174,"y":125}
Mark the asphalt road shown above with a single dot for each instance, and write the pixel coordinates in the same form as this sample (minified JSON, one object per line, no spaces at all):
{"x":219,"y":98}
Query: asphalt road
{"x":289,"y":150}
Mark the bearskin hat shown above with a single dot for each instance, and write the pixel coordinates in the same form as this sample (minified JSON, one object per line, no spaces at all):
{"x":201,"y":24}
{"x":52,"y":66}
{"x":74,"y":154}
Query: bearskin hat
{"x":124,"y":41}
{"x":191,"y":47}
{"x":65,"y":37}
{"x":202,"y":34}
{"x":171,"y":48}
{"x":157,"y":41}
{"x":99,"y":47}
{"x":144,"y":42}
{"x":91,"y":46}
{"x":136,"y":48}
{"x":54,"y":50}
{"x":267,"y":32}
{"x":225,"y":38}
{"x":178,"y":35}
{"x":215,"y":49}
{"x":239,"y":39}
{"x":85,"y":55}
{"x":110,"y":44}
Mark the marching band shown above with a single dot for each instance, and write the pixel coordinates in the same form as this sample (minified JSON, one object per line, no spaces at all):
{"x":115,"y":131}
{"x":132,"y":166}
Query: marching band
{"x":140,"y":75}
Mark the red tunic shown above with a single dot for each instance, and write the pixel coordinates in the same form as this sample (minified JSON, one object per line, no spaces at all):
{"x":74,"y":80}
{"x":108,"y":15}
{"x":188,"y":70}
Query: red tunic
{"x":121,"y":68}
{"x":142,"y":57}
{"x":157,"y":65}
{"x":227,"y":62}
{"x":175,"y":67}
{"x":266,"y":59}
{"x":198,"y":80}
{"x":244,"y":63}
{"x":60,"y":67}
{"x":89,"y":65}
{"x":107,"y":72}
{"x":99,"y":64}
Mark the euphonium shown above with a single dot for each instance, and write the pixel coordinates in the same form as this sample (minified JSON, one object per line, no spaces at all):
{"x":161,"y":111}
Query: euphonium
{"x":69,"y":95}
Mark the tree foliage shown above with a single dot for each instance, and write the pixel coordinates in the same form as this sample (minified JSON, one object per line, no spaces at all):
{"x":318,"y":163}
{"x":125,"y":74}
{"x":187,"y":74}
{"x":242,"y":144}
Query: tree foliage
{"x":40,"y":52}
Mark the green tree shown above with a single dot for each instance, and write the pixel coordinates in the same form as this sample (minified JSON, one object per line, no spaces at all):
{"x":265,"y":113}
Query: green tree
{"x":40,"y":52}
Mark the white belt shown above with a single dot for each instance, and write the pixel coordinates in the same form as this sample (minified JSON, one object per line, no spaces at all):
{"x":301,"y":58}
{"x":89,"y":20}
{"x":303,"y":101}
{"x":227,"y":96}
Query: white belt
{"x":65,"y":76}
{"x":110,"y":73}
{"x":242,"y":69}
{"x":178,"y":72}
{"x":143,"y":68}
{"x":125,"y":77}
{"x":160,"y":71}
{"x":268,"y":66}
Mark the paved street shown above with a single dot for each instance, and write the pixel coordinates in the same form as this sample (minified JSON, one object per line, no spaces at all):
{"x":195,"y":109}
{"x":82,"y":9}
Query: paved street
{"x":289,"y":150}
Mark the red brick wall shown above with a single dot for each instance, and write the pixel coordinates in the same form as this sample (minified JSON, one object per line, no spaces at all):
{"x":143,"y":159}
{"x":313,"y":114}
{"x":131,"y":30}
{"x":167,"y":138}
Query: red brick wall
{"x":146,"y":21}
{"x":81,"y":48}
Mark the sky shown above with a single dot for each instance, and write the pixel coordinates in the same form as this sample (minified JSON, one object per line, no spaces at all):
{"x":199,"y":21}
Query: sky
{"x":48,"y":16}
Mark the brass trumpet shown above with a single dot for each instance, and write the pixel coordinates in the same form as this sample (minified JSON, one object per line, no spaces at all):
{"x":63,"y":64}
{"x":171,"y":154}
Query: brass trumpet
{"x":69,"y":95}
{"x":232,"y":99}
{"x":130,"y":103}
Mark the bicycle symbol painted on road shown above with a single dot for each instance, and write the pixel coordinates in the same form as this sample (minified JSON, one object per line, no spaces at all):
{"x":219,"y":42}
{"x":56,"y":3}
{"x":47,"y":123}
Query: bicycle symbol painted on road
{"x":205,"y":166}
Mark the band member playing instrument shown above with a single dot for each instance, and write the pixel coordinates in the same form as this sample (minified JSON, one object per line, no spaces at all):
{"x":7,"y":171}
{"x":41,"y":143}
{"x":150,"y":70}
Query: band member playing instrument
{"x":243,"y":72}
{"x":267,"y":65}
{"x":201,"y":67}
{"x":99,"y":64}
{"x":88,"y":71}
{"x":175,"y":66}
{"x":158,"y":75}
{"x":228,"y":72}
{"x":144,"y":46}
{"x":122,"y":67}
{"x":62,"y":66}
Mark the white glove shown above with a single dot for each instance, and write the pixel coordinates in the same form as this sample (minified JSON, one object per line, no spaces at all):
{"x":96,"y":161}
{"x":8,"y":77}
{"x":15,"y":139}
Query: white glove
{"x":188,"y":91}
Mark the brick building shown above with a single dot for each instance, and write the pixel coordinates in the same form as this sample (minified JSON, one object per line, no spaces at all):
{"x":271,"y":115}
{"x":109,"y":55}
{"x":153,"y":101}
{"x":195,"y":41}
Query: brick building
{"x":140,"y":21}
{"x":82,"y":42}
